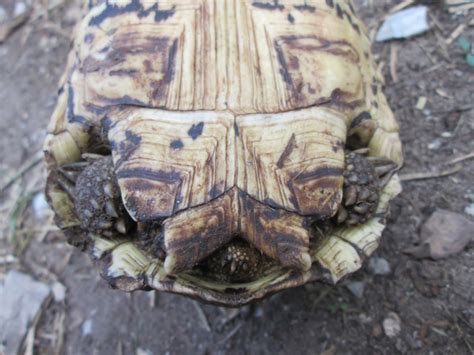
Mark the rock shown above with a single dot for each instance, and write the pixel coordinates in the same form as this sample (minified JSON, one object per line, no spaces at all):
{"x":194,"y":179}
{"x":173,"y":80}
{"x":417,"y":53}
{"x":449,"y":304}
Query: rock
{"x":470,"y":210}
{"x":403,"y":24}
{"x":20,"y":9}
{"x":379,"y":266}
{"x":356,"y":288}
{"x":392,"y":325}
{"x":59,"y":291}
{"x":86,"y":327}
{"x":3,"y":14}
{"x":258,"y":313}
{"x":141,"y":351}
{"x":21,"y":299}
{"x":364,"y":318}
{"x":444,"y":234}
{"x":376,"y":330}
{"x":435,"y":144}
{"x":40,"y":206}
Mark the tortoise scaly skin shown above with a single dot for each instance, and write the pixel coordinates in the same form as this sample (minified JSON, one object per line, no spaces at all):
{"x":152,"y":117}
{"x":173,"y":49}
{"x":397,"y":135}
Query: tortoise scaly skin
{"x":222,"y":149}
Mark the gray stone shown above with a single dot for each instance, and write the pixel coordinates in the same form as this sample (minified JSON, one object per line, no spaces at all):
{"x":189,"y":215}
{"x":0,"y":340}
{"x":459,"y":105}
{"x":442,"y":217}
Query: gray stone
{"x":59,"y":291}
{"x":444,"y":234}
{"x":20,"y":9}
{"x":469,"y":210}
{"x":141,"y":351}
{"x":3,"y":14}
{"x":435,"y":144}
{"x":404,"y":24}
{"x":40,"y":206}
{"x":379,"y":266}
{"x":356,"y":288}
{"x":392,"y":325}
{"x":86,"y":327}
{"x":21,"y":298}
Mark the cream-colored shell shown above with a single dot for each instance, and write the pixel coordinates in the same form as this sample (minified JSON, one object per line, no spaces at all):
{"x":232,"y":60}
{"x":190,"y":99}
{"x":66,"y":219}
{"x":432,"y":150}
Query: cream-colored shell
{"x":201,"y":97}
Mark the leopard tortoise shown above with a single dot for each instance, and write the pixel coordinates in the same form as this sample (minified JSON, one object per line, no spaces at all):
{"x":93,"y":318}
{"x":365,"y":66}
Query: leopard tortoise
{"x":222,"y":149}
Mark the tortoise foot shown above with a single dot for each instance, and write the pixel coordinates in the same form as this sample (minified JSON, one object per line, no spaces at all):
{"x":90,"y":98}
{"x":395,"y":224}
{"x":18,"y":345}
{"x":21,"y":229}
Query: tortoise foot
{"x":364,"y":178}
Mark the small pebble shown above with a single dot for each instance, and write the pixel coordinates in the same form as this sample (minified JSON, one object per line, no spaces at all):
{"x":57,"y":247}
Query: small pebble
{"x":3,"y":14}
{"x":40,"y":206}
{"x":376,"y":330}
{"x":141,"y":351}
{"x":469,"y":196}
{"x":356,"y":288}
{"x":392,"y":325}
{"x":364,"y":318}
{"x":86,"y":327}
{"x":379,"y":266}
{"x":435,"y":145}
{"x":258,"y":313}
{"x":469,"y":210}
{"x":20,"y":9}
{"x":59,"y":291}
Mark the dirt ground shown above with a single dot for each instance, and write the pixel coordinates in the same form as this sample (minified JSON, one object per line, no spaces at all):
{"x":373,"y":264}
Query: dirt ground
{"x":432,"y":299}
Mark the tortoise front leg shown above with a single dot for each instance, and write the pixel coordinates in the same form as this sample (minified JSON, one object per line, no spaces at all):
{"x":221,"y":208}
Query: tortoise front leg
{"x":364,"y":178}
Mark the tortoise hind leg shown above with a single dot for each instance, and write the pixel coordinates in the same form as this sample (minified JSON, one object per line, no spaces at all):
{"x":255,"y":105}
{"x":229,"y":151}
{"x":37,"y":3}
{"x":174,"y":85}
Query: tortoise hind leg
{"x":97,"y":199}
{"x":364,"y":178}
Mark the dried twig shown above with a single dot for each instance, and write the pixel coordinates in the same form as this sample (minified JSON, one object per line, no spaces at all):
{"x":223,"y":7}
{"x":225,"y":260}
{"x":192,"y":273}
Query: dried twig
{"x":202,"y":316}
{"x":430,"y":174}
{"x":461,"y":159}
{"x":401,"y":6}
{"x":393,"y":62}
{"x":456,"y":33}
{"x":231,"y":333}
{"x":59,"y":322}
{"x":29,"y":341}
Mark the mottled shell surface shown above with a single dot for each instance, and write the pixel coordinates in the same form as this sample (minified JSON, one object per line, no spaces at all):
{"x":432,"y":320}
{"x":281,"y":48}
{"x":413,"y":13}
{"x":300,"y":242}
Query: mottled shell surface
{"x":214,"y":107}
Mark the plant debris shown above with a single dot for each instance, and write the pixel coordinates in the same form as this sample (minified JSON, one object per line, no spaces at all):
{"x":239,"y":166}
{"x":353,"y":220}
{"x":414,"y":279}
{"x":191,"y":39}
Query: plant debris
{"x":10,"y":21}
{"x":459,"y":6}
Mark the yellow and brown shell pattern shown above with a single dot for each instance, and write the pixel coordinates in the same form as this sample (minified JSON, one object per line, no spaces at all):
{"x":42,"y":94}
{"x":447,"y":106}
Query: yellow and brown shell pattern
{"x":222,"y":149}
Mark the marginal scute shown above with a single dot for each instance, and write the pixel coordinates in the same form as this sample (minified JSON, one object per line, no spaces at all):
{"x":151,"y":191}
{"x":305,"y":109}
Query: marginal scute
{"x":339,"y":251}
{"x":62,"y":204}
